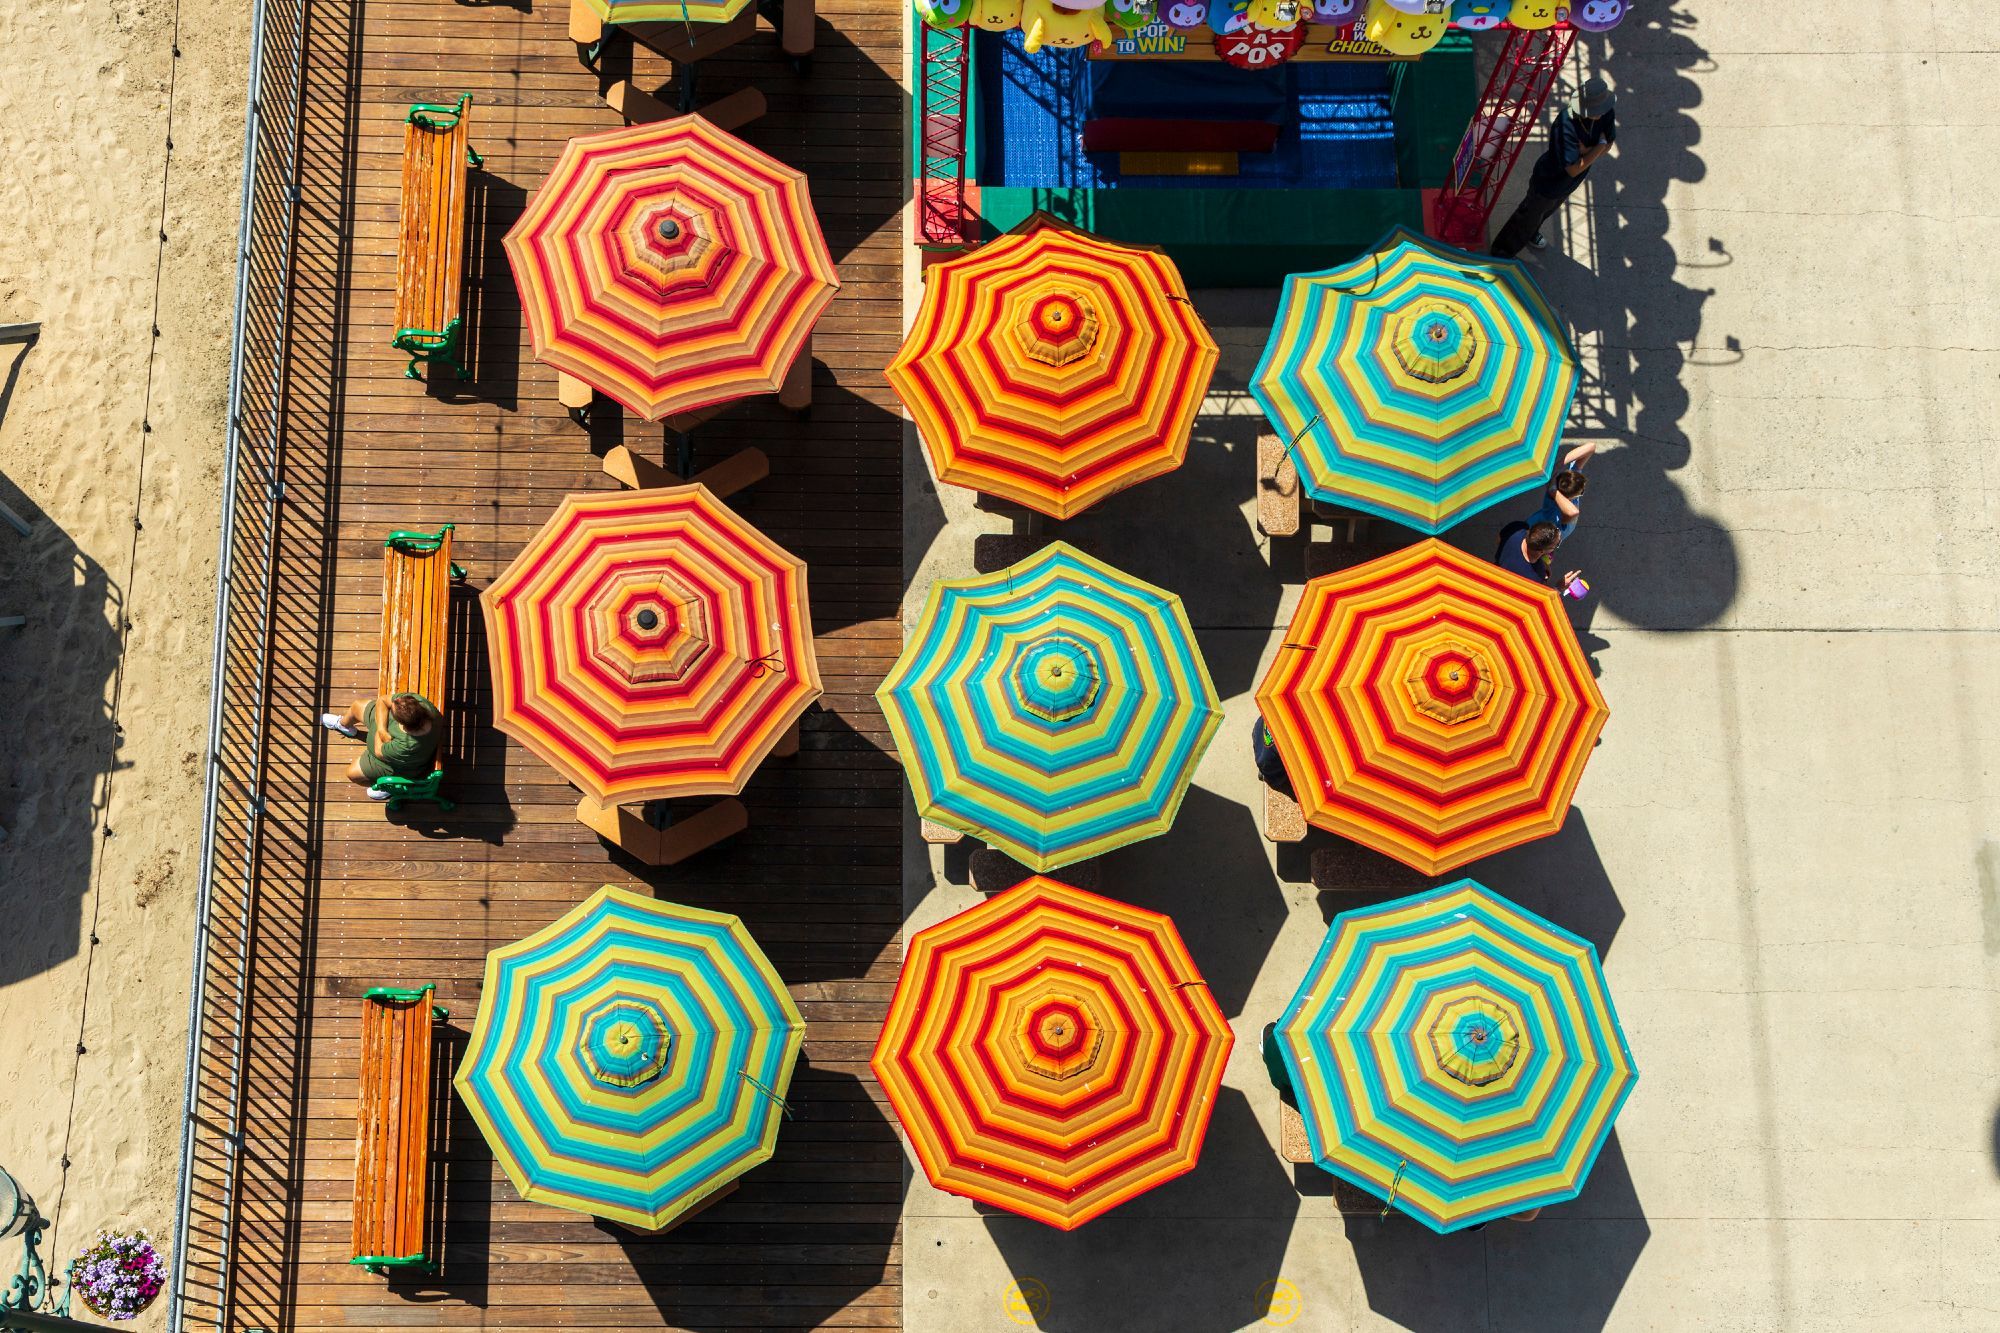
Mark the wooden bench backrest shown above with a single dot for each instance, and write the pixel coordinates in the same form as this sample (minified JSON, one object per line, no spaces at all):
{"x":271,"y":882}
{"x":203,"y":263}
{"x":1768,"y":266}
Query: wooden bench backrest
{"x":430,"y":251}
{"x":392,"y":1128}
{"x":416,"y":616}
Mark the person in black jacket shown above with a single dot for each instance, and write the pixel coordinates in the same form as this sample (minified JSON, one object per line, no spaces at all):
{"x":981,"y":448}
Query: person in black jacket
{"x":1581,"y":135}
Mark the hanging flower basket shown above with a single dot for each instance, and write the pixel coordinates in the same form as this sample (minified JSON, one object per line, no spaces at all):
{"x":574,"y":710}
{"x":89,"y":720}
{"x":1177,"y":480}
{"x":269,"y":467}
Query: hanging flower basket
{"x":118,"y":1274}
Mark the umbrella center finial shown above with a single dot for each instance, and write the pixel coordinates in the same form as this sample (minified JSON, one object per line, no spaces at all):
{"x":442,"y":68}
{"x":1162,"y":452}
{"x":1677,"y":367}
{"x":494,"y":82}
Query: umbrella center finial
{"x":1056,"y":678}
{"x":1434,"y":341}
{"x":1059,"y":326}
{"x":622,"y":1043}
{"x":1450,"y":682}
{"x":669,"y":229}
{"x":648,"y":627}
{"x":1061,"y":1036}
{"x":1475,"y":1039}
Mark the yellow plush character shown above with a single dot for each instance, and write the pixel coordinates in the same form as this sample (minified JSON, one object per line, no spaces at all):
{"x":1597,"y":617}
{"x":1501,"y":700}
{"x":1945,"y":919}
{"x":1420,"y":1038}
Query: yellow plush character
{"x":1277,"y":15}
{"x":1405,"y":34}
{"x":1045,"y":23}
{"x":1532,"y":14}
{"x":996,"y":15}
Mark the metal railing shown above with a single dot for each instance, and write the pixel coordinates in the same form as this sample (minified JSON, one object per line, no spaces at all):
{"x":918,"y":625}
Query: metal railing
{"x":252,"y":504}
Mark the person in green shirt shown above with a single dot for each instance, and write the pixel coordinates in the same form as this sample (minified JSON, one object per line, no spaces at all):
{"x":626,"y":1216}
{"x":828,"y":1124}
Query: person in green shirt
{"x":399,"y":735}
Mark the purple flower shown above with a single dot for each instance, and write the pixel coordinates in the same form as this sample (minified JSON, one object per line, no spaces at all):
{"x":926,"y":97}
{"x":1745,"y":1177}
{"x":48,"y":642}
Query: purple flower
{"x":119,"y":1274}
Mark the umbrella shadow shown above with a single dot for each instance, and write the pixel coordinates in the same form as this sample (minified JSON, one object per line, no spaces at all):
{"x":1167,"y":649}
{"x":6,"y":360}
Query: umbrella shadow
{"x":1185,"y":532}
{"x":826,"y":825}
{"x":1564,"y":1270}
{"x":475,"y":751}
{"x":1210,"y":874}
{"x":1560,"y":877}
{"x":834,"y":494}
{"x":804,"y":1234}
{"x":1151,"y":1263}
{"x":855,"y":194}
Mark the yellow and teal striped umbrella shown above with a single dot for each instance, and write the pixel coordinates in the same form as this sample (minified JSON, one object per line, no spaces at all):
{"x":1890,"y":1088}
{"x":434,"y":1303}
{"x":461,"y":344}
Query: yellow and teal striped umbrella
{"x":631,"y":1058}
{"x":1055,"y":709}
{"x":1456,"y":1055}
{"x":666,"y":11}
{"x":1418,"y":382}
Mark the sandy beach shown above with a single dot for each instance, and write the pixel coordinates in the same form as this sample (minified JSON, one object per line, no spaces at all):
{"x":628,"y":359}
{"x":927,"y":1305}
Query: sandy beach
{"x":111,"y":439}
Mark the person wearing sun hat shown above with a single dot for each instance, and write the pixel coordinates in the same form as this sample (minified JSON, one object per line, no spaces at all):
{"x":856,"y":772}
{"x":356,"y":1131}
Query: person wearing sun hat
{"x":1584,"y":132}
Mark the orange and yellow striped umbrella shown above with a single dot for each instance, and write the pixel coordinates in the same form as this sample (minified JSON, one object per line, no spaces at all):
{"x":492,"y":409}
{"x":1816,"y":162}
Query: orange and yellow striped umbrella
{"x":671,"y":266}
{"x":1052,"y":368}
{"x":1052,"y":1052}
{"x":1432,"y":706}
{"x":650,"y":644}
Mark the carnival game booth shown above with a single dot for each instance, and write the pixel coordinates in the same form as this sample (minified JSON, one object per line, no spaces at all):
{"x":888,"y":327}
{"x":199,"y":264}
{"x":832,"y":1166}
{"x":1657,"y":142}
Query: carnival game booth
{"x":1250,"y":138}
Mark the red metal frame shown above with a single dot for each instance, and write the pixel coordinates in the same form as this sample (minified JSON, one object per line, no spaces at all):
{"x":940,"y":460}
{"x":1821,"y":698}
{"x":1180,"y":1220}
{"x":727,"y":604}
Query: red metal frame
{"x":942,"y":215}
{"x":1507,"y":114}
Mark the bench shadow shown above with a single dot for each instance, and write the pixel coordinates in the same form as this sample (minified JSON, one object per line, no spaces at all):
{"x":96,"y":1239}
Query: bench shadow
{"x":462,"y":1176}
{"x":475,"y":751}
{"x":493,"y":338}
{"x":1564,"y":1270}
{"x":1200,"y":1254}
{"x":804,"y":1234}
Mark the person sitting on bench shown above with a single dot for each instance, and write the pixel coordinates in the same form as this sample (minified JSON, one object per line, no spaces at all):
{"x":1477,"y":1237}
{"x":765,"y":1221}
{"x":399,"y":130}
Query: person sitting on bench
{"x":400,"y":741}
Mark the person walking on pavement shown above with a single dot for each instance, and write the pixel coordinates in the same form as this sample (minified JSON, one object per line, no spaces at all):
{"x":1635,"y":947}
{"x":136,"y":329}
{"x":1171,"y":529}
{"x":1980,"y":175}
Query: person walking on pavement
{"x":1581,"y":135}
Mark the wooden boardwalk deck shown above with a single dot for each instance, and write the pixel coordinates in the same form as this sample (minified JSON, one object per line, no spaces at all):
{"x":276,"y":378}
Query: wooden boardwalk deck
{"x":349,"y":897}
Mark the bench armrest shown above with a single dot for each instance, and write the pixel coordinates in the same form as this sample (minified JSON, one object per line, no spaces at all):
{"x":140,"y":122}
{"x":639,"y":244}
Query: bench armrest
{"x":435,"y":115}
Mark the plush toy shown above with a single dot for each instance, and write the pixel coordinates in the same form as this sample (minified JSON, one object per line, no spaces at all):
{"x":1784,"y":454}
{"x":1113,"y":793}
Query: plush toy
{"x":1185,"y":13}
{"x":1404,"y":34}
{"x":1277,"y":15}
{"x":1478,"y":15}
{"x":1271,"y":15}
{"x":1532,"y":14}
{"x":1044,"y":23}
{"x":945,"y":13}
{"x":1335,"y":11}
{"x":1131,"y":15}
{"x":1414,"y":6}
{"x":996,"y":15}
{"x":1596,"y":15}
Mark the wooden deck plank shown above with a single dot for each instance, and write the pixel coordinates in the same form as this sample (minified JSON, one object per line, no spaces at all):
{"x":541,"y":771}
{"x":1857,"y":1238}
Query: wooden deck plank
{"x":350,"y":897}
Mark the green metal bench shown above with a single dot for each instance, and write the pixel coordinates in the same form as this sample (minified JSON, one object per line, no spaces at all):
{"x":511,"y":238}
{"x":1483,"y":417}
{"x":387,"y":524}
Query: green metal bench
{"x":392,"y":1134}
{"x":417,"y":574}
{"x":430,"y":249}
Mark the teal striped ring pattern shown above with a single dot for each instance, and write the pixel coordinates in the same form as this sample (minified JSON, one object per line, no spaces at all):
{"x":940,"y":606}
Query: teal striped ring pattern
{"x":631,"y":1058}
{"x":1055,"y":709}
{"x":1456,"y":1055}
{"x":1419,"y":382}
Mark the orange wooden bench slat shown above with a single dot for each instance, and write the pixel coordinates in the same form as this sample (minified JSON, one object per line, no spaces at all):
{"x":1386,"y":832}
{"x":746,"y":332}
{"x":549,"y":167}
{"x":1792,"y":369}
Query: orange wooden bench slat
{"x":392,"y":1129}
{"x":430,"y":248}
{"x":416,"y":612}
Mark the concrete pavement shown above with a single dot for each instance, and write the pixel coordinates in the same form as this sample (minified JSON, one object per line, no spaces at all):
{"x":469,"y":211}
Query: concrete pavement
{"x":1788,"y":845}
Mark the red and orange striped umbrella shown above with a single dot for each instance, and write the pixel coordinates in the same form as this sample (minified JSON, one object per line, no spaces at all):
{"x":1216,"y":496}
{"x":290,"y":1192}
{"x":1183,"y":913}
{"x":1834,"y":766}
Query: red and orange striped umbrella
{"x":1432,"y":706}
{"x":1052,"y":1052}
{"x":650,"y":644}
{"x":1052,"y":368}
{"x":671,"y":266}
